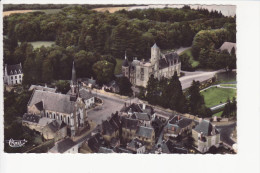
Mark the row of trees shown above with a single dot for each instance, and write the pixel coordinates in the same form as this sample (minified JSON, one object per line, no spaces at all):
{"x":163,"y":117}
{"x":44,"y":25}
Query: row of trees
{"x":115,"y":33}
{"x":230,"y":109}
{"x":168,"y":94}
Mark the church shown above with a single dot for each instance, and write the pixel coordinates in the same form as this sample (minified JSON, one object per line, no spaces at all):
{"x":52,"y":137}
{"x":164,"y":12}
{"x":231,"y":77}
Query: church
{"x":70,"y":108}
{"x":160,"y":65}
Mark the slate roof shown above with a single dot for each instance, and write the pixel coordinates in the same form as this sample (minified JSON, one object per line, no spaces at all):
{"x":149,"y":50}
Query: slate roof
{"x":133,"y":107}
{"x":155,"y":46}
{"x":54,"y":126}
{"x":31,"y":118}
{"x":144,"y":132}
{"x":141,"y":116}
{"x":105,"y":150}
{"x":135,"y":144}
{"x":167,"y":58}
{"x":125,"y":63}
{"x":180,"y":121}
{"x":129,"y":123}
{"x":38,"y":87}
{"x":65,"y":145}
{"x":115,"y":121}
{"x":228,"y":46}
{"x":205,"y":127}
{"x":83,"y":93}
{"x":107,"y":128}
{"x":122,"y":150}
{"x":39,"y":106}
{"x":95,"y":142}
{"x":52,"y":101}
{"x":11,"y":69}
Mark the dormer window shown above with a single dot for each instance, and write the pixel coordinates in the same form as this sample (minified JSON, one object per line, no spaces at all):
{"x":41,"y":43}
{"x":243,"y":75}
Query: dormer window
{"x":11,"y":72}
{"x":15,"y":72}
{"x":19,"y":71}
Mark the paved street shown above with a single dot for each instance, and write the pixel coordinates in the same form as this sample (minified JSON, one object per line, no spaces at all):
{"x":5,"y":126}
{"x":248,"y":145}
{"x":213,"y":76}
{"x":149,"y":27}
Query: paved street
{"x":186,"y":80}
{"x":225,"y":133}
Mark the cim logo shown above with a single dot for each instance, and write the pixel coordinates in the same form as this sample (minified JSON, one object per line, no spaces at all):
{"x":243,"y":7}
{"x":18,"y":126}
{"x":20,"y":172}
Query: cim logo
{"x":16,"y":143}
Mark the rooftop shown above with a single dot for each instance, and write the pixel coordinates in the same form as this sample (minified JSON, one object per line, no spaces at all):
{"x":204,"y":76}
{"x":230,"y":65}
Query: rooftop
{"x":144,"y":132}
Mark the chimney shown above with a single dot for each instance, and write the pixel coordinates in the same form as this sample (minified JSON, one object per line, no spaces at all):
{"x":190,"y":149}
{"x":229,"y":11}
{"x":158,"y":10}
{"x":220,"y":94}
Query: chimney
{"x":144,"y":106}
{"x":178,"y":117}
{"x":45,"y":85}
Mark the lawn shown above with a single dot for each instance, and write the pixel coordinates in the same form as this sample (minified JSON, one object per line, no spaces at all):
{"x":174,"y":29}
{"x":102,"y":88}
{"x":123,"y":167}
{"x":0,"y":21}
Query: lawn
{"x":214,"y":96}
{"x":218,"y":114}
{"x":118,"y":68}
{"x":193,"y":62}
{"x":38,"y":44}
{"x":229,"y":85}
{"x":226,"y":78}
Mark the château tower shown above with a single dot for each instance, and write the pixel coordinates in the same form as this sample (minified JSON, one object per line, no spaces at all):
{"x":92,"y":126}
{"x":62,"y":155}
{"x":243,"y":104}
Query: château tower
{"x":155,"y":56}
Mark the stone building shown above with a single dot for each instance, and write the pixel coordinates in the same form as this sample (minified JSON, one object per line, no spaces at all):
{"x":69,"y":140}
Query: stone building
{"x":70,"y":109}
{"x":205,"y":135}
{"x":13,"y":74}
{"x":160,"y":65}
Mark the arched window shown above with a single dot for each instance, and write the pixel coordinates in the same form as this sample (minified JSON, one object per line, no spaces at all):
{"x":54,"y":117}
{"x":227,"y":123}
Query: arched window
{"x":47,"y":114}
{"x":50,"y":115}
{"x":54,"y":116}
{"x":58,"y":117}
{"x":68,"y":120}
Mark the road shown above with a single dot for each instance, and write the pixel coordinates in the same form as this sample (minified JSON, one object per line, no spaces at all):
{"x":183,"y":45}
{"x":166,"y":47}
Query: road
{"x":111,"y":104}
{"x":225,"y":133}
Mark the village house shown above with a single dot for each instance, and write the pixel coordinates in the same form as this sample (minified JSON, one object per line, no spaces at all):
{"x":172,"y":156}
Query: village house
{"x":110,"y":128}
{"x":55,"y":131}
{"x":205,"y":136}
{"x":129,"y":128}
{"x":146,"y":135}
{"x":13,"y":74}
{"x":136,"y":146}
{"x":95,"y":142}
{"x":178,"y":125}
{"x":160,"y":65}
{"x":65,"y":146}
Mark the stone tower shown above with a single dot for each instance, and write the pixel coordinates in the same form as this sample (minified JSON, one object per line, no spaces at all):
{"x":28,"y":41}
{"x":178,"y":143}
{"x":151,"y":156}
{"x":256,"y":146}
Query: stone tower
{"x":155,"y":56}
{"x":73,"y":84}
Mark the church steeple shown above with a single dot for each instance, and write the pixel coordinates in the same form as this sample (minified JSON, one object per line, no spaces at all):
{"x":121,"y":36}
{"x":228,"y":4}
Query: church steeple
{"x":73,"y":76}
{"x":73,"y":85}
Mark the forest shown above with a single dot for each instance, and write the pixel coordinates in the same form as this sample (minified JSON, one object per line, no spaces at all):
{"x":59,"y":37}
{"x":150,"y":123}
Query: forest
{"x":95,"y":39}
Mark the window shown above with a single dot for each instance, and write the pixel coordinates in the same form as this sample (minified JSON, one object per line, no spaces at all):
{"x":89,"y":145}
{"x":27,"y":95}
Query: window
{"x":20,"y":76}
{"x":68,"y":120}
{"x":47,"y":115}
{"x":15,"y":77}
{"x":11,"y":77}
{"x":54,"y":116}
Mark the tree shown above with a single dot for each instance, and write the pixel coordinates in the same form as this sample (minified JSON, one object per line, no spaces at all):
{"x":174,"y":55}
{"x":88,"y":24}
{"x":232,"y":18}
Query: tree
{"x":185,"y":63}
{"x":63,"y":86}
{"x":196,"y":101}
{"x":125,"y":86}
{"x":152,"y":89}
{"x":103,"y":71}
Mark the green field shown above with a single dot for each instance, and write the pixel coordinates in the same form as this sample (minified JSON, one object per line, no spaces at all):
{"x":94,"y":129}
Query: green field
{"x":38,"y":44}
{"x":118,"y":68}
{"x":226,"y":78}
{"x":193,"y":62}
{"x":214,"y":96}
{"x":218,"y":114}
{"x":229,"y":85}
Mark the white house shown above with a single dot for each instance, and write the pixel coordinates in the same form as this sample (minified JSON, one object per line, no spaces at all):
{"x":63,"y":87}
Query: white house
{"x":13,"y":74}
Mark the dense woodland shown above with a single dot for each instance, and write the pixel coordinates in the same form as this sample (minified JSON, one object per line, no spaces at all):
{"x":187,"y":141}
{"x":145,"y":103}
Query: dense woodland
{"x":88,"y":37}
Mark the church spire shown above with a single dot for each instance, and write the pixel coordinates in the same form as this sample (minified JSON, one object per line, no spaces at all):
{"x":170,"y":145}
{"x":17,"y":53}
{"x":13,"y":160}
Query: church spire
{"x":73,"y":76}
{"x":125,"y":55}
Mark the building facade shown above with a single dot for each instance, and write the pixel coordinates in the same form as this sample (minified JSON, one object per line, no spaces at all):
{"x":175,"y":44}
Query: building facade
{"x":70,"y":109}
{"x":160,"y":65}
{"x":13,"y":74}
